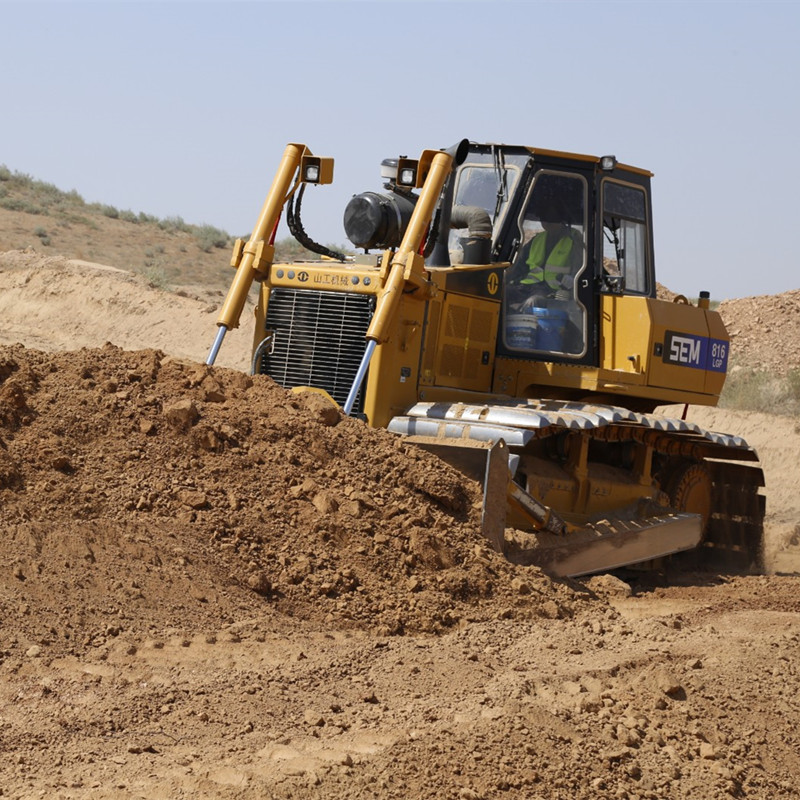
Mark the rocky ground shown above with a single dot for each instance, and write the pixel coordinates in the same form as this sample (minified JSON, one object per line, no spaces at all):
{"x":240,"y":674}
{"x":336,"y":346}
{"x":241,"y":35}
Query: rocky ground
{"x":213,"y":588}
{"x":765,"y":331}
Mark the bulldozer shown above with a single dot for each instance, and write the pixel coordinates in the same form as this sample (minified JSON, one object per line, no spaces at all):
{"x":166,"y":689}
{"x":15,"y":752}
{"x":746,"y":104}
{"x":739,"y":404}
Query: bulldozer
{"x":499,"y":308}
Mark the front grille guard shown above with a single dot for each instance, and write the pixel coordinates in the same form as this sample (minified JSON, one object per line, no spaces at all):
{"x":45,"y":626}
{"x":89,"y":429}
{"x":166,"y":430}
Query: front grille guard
{"x":315,"y":338}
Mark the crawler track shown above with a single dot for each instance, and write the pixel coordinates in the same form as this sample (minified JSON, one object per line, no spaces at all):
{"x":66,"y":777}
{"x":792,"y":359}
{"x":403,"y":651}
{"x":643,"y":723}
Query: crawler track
{"x":720,"y":470}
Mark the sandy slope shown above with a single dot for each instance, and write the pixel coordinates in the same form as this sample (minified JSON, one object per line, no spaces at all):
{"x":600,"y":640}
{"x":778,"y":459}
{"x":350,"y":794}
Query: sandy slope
{"x":53,"y":303}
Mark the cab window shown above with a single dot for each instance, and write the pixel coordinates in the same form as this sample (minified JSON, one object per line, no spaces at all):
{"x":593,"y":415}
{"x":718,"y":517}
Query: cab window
{"x":543,"y":312}
{"x":625,"y":246}
{"x":481,"y":186}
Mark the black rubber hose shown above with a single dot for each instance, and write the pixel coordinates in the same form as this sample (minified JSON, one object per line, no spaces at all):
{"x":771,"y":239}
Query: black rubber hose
{"x":297,"y":230}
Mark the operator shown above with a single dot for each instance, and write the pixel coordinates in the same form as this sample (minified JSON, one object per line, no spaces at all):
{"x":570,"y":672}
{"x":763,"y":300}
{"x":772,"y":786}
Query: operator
{"x":546,"y":266}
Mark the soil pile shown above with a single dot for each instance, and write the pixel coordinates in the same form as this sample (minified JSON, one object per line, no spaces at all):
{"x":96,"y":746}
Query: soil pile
{"x":663,"y":293}
{"x":765,"y":331}
{"x":151,"y":489}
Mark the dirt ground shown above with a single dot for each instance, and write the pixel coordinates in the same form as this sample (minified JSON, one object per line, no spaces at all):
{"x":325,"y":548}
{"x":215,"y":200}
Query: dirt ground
{"x":215,"y":589}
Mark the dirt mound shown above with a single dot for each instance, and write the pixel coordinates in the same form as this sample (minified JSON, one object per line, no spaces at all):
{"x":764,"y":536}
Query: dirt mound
{"x":663,"y":293}
{"x":165,"y":493}
{"x":765,"y":331}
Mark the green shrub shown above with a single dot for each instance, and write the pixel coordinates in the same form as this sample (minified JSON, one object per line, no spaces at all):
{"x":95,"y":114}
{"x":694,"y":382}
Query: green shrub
{"x":156,"y":276}
{"x":793,"y":383}
{"x":173,"y":224}
{"x":110,"y":211}
{"x":289,"y":249}
{"x":209,"y":237}
{"x":19,"y":204}
{"x":79,"y":219}
{"x":21,"y":180}
{"x":47,"y":189}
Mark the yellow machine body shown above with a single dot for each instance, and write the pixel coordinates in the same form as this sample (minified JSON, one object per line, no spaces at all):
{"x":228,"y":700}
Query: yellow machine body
{"x":437,"y":349}
{"x":547,"y":400}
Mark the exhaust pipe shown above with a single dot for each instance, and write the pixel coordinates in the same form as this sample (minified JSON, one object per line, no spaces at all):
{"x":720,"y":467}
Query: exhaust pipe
{"x":477,"y":245}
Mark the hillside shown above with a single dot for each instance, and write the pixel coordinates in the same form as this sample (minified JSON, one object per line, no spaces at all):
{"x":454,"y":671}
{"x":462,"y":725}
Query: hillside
{"x":170,"y":253}
{"x":55,"y":303}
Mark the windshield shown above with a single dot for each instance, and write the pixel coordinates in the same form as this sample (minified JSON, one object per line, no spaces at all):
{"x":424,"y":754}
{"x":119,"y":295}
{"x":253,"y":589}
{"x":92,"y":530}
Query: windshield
{"x":481,"y":186}
{"x":487,"y":185}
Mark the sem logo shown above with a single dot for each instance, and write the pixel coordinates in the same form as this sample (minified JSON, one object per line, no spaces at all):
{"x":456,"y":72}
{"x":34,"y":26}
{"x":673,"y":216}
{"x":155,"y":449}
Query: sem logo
{"x":697,"y":352}
{"x":493,"y":283}
{"x":685,"y":350}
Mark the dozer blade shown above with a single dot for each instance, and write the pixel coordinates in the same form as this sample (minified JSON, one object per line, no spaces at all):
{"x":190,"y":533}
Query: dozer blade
{"x":560,"y":548}
{"x":487,"y":463}
{"x":586,"y":550}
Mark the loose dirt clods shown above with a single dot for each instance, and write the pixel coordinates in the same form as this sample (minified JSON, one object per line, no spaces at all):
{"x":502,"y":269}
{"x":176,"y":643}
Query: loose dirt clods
{"x":256,"y":487}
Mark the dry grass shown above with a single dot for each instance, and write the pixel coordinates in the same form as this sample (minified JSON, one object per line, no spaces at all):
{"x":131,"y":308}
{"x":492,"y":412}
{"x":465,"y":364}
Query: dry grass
{"x":749,"y":389}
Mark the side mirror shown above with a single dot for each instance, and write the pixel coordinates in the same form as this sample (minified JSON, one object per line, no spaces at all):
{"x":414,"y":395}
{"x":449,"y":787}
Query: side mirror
{"x":613,"y":284}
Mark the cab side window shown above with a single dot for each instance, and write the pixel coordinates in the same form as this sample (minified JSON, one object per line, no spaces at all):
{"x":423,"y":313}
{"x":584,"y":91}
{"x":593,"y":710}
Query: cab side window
{"x":625,"y":246}
{"x":543,"y":310}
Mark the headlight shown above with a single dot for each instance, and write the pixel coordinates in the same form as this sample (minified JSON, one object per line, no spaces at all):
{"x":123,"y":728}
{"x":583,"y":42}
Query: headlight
{"x":607,"y":163}
{"x":407,"y":176}
{"x":314,"y":169}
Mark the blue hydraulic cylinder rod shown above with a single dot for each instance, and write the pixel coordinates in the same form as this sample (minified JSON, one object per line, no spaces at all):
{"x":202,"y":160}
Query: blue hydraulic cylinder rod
{"x":359,"y":379}
{"x":212,"y":356}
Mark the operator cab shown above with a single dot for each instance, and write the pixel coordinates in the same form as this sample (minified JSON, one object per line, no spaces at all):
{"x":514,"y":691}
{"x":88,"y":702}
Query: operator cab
{"x":572,"y":228}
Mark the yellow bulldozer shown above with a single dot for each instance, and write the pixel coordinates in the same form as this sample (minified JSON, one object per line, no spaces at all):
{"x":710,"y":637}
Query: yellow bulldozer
{"x":501,"y":311}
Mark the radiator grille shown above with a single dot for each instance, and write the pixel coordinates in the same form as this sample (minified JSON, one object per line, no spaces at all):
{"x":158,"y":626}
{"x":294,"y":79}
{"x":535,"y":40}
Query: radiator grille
{"x":318,"y":340}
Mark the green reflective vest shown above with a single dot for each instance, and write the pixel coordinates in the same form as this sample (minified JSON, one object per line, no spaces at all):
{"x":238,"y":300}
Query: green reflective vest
{"x":559,"y":261}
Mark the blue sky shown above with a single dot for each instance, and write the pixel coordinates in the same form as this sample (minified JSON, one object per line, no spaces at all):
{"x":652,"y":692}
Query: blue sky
{"x":184,"y":108}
